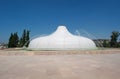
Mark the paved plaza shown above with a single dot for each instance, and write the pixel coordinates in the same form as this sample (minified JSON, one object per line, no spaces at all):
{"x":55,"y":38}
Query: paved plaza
{"x":78,"y":66}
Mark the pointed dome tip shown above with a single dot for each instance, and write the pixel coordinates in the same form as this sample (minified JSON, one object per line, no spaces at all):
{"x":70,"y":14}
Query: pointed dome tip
{"x":62,"y":27}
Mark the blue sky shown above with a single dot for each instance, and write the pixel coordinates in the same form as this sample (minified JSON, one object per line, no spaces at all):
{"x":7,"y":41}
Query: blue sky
{"x":98,"y":17}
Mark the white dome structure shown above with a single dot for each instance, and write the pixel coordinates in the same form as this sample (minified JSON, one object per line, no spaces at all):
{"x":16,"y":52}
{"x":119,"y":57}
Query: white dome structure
{"x":61,"y":39}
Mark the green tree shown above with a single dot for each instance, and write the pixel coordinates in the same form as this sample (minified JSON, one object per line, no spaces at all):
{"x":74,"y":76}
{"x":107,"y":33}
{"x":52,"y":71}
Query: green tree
{"x":13,"y":40}
{"x":24,"y":40}
{"x":114,"y":38}
{"x":106,"y":43}
{"x":16,"y":39}
{"x":27,"y":38}
{"x":10,"y":40}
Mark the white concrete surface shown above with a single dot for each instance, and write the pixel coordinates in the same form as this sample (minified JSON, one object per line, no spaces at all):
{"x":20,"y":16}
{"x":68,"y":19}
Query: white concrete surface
{"x":61,"y":39}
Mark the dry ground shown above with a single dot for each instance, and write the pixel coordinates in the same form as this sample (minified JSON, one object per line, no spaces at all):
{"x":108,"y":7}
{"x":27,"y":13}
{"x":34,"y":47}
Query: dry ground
{"x":76,"y":65}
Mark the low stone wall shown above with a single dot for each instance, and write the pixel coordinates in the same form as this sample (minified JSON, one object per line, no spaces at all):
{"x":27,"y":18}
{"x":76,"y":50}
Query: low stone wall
{"x":9,"y":52}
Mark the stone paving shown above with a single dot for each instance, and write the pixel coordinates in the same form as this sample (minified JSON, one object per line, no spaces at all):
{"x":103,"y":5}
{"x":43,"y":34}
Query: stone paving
{"x":80,"y":66}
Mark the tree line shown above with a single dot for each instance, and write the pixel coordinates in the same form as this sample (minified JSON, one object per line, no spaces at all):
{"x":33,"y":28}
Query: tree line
{"x":114,"y":40}
{"x":16,"y":41}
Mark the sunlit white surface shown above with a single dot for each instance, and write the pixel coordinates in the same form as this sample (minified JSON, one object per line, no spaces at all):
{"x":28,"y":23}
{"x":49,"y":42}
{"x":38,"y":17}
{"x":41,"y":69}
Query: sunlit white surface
{"x":61,"y":39}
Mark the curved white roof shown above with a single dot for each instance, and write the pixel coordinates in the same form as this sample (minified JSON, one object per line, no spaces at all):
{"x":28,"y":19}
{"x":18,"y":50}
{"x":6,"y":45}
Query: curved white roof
{"x":61,"y":39}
